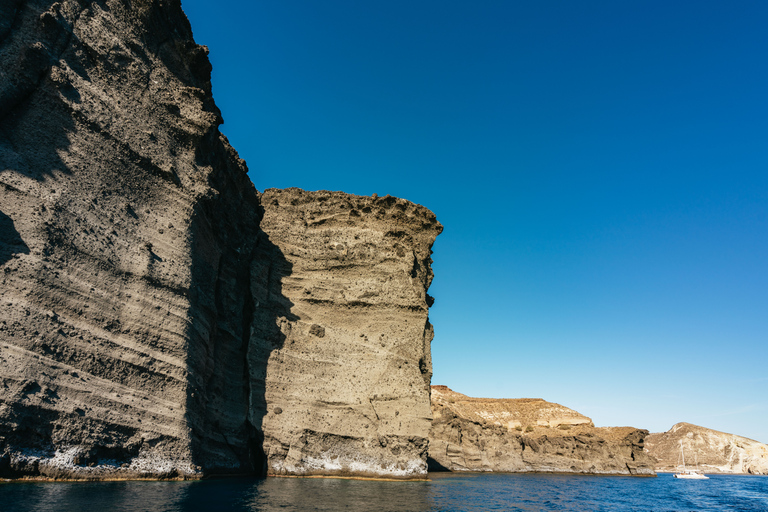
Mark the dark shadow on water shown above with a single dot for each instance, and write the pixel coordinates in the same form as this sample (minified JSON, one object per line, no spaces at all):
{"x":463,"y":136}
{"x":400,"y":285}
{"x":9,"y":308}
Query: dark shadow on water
{"x":336,"y":494}
{"x":445,"y":492}
{"x":223,"y":495}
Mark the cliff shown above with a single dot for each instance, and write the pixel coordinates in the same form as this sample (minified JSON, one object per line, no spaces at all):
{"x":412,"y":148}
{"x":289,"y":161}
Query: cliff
{"x":348,"y":362}
{"x":713,"y":451}
{"x":148,"y":327}
{"x":528,"y":435}
{"x":128,"y":225}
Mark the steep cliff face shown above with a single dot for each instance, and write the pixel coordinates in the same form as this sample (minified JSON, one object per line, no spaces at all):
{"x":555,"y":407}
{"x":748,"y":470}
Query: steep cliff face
{"x":149,"y":329}
{"x":528,"y":435}
{"x":712,"y":451}
{"x":342,"y":330}
{"x":127,"y":227}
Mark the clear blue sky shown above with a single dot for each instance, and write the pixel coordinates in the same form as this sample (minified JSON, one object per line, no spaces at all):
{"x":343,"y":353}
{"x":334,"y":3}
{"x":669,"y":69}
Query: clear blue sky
{"x":601,"y":169}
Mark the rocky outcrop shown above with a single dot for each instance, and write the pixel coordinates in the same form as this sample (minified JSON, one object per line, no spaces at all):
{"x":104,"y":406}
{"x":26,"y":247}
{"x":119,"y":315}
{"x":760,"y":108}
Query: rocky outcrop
{"x":347,"y":360}
{"x":712,"y":451}
{"x":128,"y":224}
{"x":148,"y":328}
{"x":528,"y":435}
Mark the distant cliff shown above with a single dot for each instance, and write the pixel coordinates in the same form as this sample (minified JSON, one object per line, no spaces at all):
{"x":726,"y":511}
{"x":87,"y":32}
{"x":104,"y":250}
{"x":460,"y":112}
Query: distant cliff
{"x":149,"y":328}
{"x":528,"y":435}
{"x":712,"y":451}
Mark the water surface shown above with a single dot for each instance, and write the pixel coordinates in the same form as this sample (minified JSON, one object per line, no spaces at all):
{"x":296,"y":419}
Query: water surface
{"x":445,"y":492}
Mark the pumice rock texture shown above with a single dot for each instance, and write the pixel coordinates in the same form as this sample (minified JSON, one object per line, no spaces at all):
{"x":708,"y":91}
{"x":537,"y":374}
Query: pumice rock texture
{"x":127,"y":229}
{"x":347,"y":362}
{"x":712,"y":451}
{"x":528,"y":435}
{"x":148,"y":327}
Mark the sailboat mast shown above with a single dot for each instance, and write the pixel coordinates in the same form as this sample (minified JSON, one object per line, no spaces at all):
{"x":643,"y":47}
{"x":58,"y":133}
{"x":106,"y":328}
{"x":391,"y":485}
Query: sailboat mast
{"x":682,"y":453}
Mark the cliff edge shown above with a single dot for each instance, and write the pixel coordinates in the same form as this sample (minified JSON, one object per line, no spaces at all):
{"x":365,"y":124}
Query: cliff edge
{"x":528,"y":435}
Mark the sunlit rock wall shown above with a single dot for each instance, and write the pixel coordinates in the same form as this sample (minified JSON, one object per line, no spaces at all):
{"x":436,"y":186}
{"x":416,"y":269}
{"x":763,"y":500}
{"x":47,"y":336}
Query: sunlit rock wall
{"x":342,"y":324}
{"x":712,"y":451}
{"x":528,"y":435}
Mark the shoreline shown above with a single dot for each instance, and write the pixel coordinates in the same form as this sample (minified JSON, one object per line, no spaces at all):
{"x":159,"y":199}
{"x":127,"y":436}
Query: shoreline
{"x":43,"y":479}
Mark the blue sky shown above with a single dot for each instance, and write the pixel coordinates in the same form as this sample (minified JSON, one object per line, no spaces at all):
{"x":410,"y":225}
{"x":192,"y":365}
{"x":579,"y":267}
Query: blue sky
{"x":600,"y":167}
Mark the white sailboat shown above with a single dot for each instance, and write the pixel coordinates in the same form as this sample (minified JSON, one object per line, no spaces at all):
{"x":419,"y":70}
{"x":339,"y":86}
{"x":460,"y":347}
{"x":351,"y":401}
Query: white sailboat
{"x":689,"y":474}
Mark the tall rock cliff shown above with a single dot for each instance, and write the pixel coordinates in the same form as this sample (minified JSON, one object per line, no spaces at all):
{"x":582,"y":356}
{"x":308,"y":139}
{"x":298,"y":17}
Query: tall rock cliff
{"x":712,"y":451}
{"x":148,"y":327}
{"x":348,"y":366}
{"x":528,"y":435}
{"x":127,"y":226}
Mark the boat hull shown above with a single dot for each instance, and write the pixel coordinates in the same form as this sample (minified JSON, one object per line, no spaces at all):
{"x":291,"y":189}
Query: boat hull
{"x":691,"y":476}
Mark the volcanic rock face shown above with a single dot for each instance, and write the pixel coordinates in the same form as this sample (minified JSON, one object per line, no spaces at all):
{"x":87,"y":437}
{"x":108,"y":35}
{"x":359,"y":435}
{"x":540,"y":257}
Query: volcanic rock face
{"x":712,"y":451}
{"x":127,"y":226}
{"x":148,"y":328}
{"x":528,"y":435}
{"x":341,"y":327}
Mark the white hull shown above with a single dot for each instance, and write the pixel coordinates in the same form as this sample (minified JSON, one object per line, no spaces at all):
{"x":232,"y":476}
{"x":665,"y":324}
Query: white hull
{"x":691,"y":476}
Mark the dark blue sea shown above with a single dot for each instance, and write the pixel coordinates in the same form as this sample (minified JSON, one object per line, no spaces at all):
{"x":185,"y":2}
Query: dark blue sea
{"x":445,"y":492}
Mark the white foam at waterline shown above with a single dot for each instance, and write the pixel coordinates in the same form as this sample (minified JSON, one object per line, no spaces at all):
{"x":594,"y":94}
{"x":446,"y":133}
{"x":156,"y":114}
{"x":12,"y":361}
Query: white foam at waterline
{"x":353,"y":464}
{"x":148,"y":464}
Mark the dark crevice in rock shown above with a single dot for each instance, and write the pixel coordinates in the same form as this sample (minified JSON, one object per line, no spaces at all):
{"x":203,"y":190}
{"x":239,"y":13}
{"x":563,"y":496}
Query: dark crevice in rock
{"x":434,"y":466}
{"x":255,"y":437}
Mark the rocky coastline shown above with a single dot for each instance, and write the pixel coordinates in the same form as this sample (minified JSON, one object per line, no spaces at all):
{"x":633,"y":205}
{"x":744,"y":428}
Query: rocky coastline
{"x":528,"y":436}
{"x":712,"y":451}
{"x":151,"y":326}
{"x":161,"y":319}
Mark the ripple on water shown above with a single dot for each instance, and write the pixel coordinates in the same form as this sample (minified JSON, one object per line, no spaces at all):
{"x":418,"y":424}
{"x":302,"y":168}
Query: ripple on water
{"x":445,"y":492}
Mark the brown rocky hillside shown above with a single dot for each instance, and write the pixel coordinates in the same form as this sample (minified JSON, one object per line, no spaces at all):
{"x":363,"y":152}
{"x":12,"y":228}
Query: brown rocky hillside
{"x":713,"y":451}
{"x":528,"y":435}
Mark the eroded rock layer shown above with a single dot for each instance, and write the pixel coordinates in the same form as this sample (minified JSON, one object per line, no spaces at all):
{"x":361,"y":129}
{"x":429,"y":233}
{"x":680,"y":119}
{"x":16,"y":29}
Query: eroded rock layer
{"x":710,"y":450}
{"x":528,"y":435}
{"x":342,"y":329}
{"x":127,"y":225}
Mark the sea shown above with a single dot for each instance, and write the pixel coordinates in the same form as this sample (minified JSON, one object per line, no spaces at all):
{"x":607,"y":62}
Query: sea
{"x":443,"y":492}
